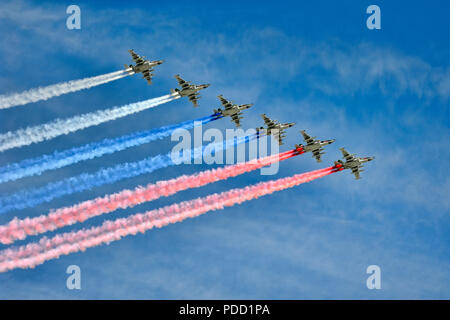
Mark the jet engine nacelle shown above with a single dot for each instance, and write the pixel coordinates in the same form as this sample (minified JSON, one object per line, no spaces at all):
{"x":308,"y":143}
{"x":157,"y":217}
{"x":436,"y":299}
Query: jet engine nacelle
{"x":338,"y":163}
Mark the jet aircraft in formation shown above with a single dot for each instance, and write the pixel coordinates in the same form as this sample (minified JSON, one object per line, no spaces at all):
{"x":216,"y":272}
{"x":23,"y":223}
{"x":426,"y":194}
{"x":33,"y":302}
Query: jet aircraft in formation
{"x":189,"y":90}
{"x":234,"y":111}
{"x":351,"y":162}
{"x":313,"y":145}
{"x":274,"y":128}
{"x":142,"y":65}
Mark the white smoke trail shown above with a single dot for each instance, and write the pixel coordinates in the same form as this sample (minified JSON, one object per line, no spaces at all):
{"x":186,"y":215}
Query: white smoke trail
{"x":58,"y":127}
{"x":44,"y":93}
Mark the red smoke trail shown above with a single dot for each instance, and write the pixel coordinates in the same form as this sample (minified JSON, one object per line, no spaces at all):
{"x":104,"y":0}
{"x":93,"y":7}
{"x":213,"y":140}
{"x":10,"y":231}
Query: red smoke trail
{"x":33,"y":254}
{"x":21,"y":228}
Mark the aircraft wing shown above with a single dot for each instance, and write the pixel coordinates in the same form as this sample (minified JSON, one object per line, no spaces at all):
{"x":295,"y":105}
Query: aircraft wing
{"x":226,"y":103}
{"x":307,"y":138}
{"x":316,"y":154}
{"x":194,"y":99}
{"x":136,"y":58}
{"x":355,"y":171}
{"x":269,"y":122}
{"x":279,"y":134}
{"x":148,"y":75}
{"x":183,"y":84}
{"x":280,"y":140}
{"x":236,"y":118}
{"x":346,"y":155}
{"x":280,"y":137}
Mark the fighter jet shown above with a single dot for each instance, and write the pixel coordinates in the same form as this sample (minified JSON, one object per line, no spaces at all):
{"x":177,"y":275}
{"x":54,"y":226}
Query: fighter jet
{"x":232,"y":110}
{"x":274,"y":128}
{"x":189,"y":90}
{"x":351,"y":162}
{"x":312,"y":145}
{"x":142,"y":65}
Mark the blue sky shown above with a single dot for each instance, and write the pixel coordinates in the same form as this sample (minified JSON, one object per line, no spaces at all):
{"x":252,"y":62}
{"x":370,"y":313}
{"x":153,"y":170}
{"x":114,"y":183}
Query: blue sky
{"x":383,"y":93}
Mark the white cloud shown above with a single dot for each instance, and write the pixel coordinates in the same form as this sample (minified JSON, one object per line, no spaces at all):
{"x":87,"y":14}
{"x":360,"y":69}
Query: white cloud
{"x":250,"y":66}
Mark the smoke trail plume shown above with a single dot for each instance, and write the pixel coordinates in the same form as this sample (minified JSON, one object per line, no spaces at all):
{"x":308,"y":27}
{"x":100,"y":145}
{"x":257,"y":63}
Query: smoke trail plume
{"x":44,"y":93}
{"x":32,"y":197}
{"x":30,"y":255}
{"x":20,"y":229}
{"x":58,"y":127}
{"x":59,"y":159}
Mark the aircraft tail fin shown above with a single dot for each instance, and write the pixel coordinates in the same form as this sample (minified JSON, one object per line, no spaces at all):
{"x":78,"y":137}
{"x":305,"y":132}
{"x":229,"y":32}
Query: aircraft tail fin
{"x":129,"y":68}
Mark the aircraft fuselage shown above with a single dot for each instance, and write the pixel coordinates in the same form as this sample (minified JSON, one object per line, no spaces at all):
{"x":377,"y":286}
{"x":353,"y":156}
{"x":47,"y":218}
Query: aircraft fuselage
{"x":191,"y":90}
{"x":316,"y":145}
{"x":278,"y":127}
{"x":235,"y":109}
{"x":145,"y":66}
{"x":356,"y":162}
{"x":281,"y":126}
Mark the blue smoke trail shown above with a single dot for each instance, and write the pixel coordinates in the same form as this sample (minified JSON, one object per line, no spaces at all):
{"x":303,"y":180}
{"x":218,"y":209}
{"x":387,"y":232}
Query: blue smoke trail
{"x":86,"y":181}
{"x":59,"y":159}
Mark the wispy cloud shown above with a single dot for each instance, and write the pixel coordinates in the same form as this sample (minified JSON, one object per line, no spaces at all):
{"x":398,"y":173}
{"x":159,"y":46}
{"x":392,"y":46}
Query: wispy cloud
{"x":309,"y":242}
